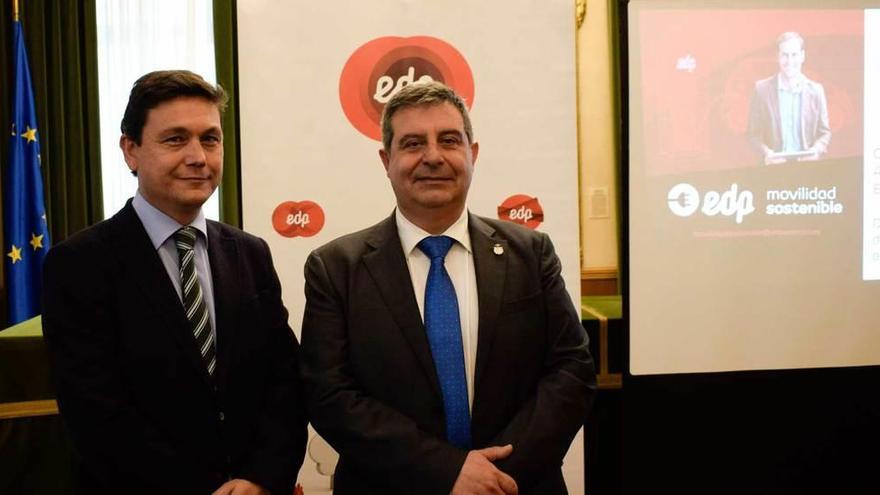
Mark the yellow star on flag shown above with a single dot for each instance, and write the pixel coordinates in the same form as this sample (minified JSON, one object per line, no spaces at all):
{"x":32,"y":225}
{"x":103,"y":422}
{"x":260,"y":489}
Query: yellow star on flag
{"x":15,"y":254}
{"x":36,"y":241}
{"x":29,"y":134}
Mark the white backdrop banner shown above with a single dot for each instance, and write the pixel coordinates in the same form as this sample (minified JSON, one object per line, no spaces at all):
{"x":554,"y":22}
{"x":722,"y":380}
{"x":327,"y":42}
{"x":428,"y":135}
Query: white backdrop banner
{"x":313,"y":79}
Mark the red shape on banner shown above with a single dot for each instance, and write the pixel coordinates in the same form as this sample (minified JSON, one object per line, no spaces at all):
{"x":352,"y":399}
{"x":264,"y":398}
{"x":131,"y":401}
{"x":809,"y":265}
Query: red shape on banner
{"x":522,"y":209}
{"x":298,"y":219}
{"x":381,"y":67}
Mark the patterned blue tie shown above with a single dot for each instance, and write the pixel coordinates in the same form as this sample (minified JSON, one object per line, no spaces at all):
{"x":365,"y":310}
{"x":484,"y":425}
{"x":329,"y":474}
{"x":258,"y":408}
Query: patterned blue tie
{"x":444,"y":335}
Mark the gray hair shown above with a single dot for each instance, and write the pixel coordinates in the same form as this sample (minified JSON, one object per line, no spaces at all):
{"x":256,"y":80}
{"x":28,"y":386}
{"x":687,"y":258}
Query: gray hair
{"x":418,"y":94}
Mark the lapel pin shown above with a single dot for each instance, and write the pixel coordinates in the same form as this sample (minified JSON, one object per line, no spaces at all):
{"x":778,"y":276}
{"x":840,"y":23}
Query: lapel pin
{"x":498,"y":250}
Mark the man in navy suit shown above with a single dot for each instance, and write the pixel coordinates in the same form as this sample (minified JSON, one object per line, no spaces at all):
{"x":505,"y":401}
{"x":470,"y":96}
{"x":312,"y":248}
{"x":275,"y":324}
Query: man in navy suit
{"x":463,"y":370}
{"x":175,"y":366}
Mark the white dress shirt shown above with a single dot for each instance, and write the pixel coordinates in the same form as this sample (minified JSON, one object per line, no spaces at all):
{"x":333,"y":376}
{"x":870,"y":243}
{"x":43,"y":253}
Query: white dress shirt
{"x":459,"y":264}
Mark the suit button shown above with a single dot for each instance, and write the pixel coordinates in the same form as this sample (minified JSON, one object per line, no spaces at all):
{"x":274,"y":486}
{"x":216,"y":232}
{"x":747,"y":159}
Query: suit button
{"x":221,"y":416}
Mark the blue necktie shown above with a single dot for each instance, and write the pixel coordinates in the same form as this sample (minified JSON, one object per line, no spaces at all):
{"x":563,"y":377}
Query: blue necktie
{"x":444,"y":336}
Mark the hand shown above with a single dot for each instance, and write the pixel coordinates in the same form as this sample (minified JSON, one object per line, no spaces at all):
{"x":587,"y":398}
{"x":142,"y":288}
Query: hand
{"x":770,"y":158}
{"x":810,"y":158}
{"x":479,"y":476}
{"x":240,"y":487}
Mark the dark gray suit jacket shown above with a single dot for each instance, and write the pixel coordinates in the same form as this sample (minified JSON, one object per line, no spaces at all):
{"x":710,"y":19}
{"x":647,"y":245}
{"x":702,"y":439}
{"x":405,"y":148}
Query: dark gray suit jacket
{"x":372,"y":388}
{"x":144,"y":414}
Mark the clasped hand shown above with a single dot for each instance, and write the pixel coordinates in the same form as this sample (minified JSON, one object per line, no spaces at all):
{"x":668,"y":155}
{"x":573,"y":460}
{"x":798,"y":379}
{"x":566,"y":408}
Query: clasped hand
{"x":240,"y":487}
{"x":479,"y":475}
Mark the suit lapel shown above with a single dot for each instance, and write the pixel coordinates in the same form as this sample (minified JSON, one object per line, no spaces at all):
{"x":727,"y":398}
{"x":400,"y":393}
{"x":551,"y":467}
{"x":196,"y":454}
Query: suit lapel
{"x":141,"y":264}
{"x":388,"y":269}
{"x":223,"y":253}
{"x":774,"y":111}
{"x":491,"y":270}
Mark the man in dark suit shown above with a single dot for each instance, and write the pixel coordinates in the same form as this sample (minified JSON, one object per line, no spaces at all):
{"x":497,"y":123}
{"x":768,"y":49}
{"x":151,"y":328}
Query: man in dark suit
{"x":788,"y":113}
{"x":455,"y":369}
{"x":175,"y":366}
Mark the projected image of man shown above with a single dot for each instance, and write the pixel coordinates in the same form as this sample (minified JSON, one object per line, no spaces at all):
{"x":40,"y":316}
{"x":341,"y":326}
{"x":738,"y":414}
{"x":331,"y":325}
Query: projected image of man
{"x":788,"y":115}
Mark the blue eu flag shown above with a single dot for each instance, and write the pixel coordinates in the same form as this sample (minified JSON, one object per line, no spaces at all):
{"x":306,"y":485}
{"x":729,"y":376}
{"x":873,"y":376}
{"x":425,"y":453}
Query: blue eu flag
{"x":26,"y":230}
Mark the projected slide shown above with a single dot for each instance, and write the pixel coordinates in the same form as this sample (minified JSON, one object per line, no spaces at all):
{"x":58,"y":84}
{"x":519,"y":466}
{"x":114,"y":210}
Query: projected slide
{"x":871,"y":228}
{"x":754,"y":187}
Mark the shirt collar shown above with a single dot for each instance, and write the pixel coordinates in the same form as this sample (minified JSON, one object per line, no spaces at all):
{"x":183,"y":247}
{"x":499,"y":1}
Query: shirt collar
{"x":795,"y":86}
{"x":160,"y":226}
{"x":411,"y":234}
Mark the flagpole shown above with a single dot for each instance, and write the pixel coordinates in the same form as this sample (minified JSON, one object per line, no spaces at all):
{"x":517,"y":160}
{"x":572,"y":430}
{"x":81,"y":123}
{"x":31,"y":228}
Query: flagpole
{"x":14,"y":10}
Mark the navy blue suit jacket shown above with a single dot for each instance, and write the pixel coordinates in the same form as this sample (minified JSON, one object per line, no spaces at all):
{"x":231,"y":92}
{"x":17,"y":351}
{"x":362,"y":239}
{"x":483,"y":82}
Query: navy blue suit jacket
{"x":133,"y":390}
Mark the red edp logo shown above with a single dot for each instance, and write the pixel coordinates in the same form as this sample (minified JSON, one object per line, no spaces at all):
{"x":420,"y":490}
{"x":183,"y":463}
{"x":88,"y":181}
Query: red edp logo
{"x":298,"y":219}
{"x":380,"y":68}
{"x":522,"y":209}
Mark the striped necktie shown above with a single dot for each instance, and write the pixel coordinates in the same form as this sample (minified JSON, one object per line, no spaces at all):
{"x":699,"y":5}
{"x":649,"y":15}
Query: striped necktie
{"x":443,"y":326}
{"x":193,"y":298}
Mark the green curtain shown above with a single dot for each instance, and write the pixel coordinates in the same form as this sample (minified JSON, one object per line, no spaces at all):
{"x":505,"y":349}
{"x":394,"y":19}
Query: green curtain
{"x":615,"y":7}
{"x":226,"y":56}
{"x":62,"y":52}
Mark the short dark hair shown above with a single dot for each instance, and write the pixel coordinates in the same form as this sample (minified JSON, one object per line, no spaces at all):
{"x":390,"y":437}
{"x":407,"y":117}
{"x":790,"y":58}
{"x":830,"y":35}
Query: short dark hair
{"x":155,"y":88}
{"x":422,"y":93}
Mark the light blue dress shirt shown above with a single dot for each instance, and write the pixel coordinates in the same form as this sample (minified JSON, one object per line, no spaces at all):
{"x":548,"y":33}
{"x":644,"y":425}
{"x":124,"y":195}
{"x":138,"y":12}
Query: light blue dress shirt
{"x":161,"y":228}
{"x":790,"y":116}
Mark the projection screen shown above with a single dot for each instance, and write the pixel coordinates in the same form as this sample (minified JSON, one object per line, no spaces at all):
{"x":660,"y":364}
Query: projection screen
{"x":753,"y":185}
